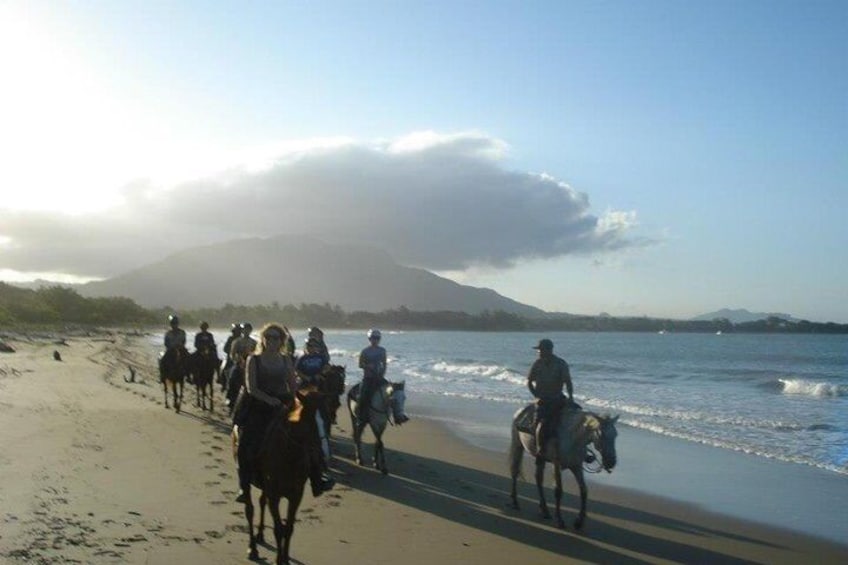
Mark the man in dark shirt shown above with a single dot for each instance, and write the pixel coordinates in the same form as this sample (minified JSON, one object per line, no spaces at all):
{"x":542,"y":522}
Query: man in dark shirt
{"x":204,"y":339}
{"x":547,"y":377}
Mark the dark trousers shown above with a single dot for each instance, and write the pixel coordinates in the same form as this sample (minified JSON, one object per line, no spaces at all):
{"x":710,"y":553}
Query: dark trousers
{"x":366,"y":391}
{"x":548,"y":412}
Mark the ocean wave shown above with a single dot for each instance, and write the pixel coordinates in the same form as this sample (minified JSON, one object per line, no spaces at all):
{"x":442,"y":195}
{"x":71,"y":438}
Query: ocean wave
{"x":733,"y":446}
{"x":811,"y":388}
{"x":720,"y":420}
{"x":486,"y":371}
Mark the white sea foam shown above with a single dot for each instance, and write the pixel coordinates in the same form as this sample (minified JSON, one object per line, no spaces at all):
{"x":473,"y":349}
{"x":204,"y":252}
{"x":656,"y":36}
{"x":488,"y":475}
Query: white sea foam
{"x":486,"y":371}
{"x":813,"y":388}
{"x":733,"y":446}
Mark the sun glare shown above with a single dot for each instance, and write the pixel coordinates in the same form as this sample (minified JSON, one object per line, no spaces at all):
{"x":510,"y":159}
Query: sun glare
{"x":63,"y":140}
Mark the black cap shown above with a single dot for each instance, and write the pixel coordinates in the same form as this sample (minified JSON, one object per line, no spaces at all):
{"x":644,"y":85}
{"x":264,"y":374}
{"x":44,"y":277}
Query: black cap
{"x":544,"y":345}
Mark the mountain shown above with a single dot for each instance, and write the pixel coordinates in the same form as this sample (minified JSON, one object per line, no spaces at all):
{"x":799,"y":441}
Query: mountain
{"x":296,"y":270}
{"x":741,"y":315}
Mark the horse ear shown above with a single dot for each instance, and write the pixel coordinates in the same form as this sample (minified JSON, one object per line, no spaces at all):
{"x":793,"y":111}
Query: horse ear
{"x":615,"y":418}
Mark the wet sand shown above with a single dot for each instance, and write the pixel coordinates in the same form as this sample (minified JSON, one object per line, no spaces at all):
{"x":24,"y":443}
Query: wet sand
{"x":95,"y":470}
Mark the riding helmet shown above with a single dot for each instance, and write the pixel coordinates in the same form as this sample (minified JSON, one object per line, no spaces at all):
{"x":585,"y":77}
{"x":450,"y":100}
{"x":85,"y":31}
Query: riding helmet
{"x":173,"y":320}
{"x":315,"y":331}
{"x":374,"y":334}
{"x":204,"y":326}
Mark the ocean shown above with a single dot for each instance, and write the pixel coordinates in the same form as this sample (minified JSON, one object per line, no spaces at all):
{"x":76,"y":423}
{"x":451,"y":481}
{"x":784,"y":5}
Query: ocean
{"x":754,"y":404}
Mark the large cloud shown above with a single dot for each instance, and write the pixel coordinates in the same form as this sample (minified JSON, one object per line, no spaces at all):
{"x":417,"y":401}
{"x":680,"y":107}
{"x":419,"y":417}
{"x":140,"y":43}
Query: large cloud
{"x":434,"y":201}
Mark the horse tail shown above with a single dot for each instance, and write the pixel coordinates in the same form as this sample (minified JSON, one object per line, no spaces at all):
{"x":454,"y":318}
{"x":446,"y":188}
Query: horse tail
{"x":516,"y":453}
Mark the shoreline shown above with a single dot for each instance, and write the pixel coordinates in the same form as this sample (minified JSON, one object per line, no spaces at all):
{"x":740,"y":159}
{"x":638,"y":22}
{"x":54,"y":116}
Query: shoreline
{"x":101,"y":472}
{"x":735,"y":484}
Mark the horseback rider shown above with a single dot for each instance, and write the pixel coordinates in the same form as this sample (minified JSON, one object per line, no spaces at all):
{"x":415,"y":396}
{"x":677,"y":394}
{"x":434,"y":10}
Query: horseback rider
{"x":315,"y":333}
{"x":372,"y":361}
{"x":270,"y":384}
{"x":309,"y":369}
{"x":546,"y":379}
{"x":204,"y":339}
{"x":240,"y":350}
{"x":235,"y":333}
{"x":175,"y":340}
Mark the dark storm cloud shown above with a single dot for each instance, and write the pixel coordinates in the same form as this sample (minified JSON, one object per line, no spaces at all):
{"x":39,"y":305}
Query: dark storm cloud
{"x":443,"y":204}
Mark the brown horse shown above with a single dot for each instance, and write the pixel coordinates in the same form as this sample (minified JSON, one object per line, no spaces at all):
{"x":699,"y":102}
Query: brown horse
{"x":203,"y":366}
{"x":281,"y":470}
{"x":173,"y":368}
{"x":332,"y":387}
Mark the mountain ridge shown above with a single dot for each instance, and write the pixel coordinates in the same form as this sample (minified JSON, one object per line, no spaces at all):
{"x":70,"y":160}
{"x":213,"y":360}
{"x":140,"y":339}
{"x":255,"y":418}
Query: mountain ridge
{"x":296,"y":270}
{"x":741,"y":315}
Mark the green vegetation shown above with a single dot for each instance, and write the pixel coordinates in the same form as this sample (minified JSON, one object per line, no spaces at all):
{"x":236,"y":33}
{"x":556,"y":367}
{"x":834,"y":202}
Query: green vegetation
{"x":58,"y":305}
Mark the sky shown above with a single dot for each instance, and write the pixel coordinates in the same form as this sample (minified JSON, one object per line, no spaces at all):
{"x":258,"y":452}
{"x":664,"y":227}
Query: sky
{"x":653,"y":158}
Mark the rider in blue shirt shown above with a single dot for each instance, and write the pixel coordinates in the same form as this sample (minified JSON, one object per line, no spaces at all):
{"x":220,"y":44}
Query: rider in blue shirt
{"x":372,"y":361}
{"x":309,"y":369}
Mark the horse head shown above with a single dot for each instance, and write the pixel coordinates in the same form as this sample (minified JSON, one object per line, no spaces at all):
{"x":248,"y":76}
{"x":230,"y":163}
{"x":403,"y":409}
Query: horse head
{"x":334,"y":380}
{"x":603,"y":438}
{"x":397,"y":399}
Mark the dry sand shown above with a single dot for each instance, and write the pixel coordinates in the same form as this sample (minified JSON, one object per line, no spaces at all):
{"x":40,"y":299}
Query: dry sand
{"x":95,"y":470}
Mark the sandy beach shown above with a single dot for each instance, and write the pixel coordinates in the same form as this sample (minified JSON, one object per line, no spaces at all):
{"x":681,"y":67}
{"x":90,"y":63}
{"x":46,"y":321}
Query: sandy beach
{"x":94,"y":469}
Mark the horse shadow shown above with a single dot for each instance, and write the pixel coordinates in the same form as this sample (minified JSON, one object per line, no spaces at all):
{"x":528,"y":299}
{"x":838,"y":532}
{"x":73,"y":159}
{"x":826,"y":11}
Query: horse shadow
{"x":479,"y":499}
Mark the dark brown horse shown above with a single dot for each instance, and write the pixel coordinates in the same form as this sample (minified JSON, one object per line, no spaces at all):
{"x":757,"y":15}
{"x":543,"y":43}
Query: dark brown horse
{"x":173,"y":368}
{"x":203,"y":366}
{"x":280,"y":471}
{"x":332,"y":387}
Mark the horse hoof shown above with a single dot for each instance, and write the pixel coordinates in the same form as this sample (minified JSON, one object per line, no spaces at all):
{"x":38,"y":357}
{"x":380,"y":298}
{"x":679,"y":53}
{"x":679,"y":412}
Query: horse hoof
{"x":260,"y":538}
{"x":253,"y":554}
{"x":545,"y":514}
{"x":561,"y":524}
{"x":578,"y":524}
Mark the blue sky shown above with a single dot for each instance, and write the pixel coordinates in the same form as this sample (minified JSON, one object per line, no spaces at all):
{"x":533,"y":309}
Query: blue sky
{"x":713,"y":137}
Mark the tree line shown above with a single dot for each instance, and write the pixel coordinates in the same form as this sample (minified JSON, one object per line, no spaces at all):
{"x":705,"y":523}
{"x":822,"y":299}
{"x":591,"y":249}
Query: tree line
{"x":52,"y":305}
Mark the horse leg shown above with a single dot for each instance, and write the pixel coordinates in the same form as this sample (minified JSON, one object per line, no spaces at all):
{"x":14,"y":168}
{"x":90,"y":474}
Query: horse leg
{"x":291,"y":514}
{"x":581,"y":482}
{"x":177,"y":395}
{"x":357,"y":440}
{"x":212,"y":396}
{"x":165,"y":387}
{"x":260,"y":529}
{"x":252,"y":552}
{"x":540,"y":478}
{"x":558,"y":492}
{"x":379,"y":453}
{"x":516,"y":454}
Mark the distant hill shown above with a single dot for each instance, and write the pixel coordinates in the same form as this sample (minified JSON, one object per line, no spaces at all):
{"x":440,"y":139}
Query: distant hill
{"x":740,"y":315}
{"x":296,"y":270}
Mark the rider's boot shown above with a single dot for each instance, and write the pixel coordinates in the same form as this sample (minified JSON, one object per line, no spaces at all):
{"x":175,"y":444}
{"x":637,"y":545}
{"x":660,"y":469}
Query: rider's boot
{"x":540,"y":440}
{"x":244,"y":484}
{"x":319,"y":480}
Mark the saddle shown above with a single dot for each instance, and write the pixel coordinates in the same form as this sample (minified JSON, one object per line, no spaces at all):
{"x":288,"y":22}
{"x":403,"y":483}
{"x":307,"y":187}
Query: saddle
{"x":525,"y":422}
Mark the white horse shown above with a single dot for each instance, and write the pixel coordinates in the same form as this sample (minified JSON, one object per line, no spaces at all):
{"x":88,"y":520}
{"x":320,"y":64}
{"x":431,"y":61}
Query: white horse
{"x":387,"y":406}
{"x":568,"y":450}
